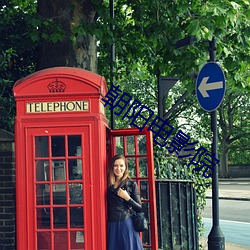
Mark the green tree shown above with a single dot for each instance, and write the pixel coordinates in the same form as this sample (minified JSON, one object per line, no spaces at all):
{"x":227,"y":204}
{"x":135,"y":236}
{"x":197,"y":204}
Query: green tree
{"x":17,"y":54}
{"x":69,"y":39}
{"x":234,"y":118}
{"x":148,"y":30}
{"x":157,"y":25}
{"x":66,"y":33}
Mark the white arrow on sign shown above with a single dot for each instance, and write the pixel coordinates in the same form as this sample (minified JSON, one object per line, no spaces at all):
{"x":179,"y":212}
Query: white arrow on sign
{"x":204,"y":86}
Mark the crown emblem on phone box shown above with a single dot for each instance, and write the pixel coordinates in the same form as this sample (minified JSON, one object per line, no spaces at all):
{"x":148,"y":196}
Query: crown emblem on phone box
{"x":56,"y":86}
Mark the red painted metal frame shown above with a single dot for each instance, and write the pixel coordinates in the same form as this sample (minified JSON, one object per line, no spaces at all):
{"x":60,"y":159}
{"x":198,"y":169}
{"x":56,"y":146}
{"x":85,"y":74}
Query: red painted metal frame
{"x":150,"y":178}
{"x":80,"y":85}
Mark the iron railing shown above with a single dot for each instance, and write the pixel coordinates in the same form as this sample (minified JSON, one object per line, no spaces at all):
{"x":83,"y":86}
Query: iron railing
{"x":176,"y":207}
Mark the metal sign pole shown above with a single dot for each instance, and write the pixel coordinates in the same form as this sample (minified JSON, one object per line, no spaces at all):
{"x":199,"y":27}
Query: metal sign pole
{"x":112,"y":57}
{"x":216,"y":238}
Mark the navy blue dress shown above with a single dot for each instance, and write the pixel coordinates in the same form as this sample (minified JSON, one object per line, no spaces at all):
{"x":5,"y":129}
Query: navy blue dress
{"x":121,"y":231}
{"x":122,"y":236}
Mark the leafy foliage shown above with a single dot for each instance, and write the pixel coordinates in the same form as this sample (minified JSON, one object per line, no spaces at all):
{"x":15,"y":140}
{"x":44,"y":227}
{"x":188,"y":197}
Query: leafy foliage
{"x":17,"y":54}
{"x":145,"y":36}
{"x":234,"y":118}
{"x":146,"y":33}
{"x":170,"y":167}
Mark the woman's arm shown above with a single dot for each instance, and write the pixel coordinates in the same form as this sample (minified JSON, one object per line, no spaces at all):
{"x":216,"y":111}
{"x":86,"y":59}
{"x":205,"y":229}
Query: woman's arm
{"x":133,"y":200}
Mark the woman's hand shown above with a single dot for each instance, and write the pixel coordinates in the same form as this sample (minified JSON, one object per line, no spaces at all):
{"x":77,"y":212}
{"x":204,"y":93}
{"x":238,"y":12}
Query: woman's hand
{"x":123,"y":194}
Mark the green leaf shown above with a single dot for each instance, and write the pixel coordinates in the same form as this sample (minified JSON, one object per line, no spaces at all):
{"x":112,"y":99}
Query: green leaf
{"x":235,"y":5}
{"x":194,"y":28}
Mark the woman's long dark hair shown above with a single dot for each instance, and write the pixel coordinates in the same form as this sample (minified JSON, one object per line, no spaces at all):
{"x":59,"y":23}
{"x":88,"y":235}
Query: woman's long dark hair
{"x":111,"y":175}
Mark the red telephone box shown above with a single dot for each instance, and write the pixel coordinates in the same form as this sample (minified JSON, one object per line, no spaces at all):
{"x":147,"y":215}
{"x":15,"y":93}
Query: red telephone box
{"x":61,"y":160}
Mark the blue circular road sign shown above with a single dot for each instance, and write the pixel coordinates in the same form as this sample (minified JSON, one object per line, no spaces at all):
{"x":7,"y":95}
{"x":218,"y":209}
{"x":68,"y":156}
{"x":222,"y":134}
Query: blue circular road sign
{"x":210,"y":86}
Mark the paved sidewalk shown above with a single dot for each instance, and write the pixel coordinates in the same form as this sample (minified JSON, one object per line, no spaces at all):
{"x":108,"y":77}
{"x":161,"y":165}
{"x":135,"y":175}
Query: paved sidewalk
{"x":239,"y":194}
{"x":228,"y":246}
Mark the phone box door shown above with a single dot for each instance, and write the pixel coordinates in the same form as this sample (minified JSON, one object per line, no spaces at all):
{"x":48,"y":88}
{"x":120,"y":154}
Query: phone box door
{"x":59,"y":187}
{"x":137,"y":147}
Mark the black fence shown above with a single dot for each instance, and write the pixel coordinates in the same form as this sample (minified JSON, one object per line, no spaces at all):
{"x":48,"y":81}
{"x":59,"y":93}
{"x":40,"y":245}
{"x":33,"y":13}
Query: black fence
{"x":176,"y":211}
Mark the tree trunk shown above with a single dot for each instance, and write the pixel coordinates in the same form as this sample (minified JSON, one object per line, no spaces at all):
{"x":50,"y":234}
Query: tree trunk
{"x":223,"y":165}
{"x":75,"y":49}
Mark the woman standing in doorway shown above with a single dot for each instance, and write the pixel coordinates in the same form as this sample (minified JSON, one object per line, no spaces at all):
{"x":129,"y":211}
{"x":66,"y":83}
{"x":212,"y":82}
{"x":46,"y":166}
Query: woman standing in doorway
{"x":122,"y":195}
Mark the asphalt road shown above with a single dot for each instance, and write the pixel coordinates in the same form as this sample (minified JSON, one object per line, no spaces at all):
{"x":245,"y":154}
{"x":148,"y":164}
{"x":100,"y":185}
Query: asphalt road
{"x":234,"y":213}
{"x":231,"y":210}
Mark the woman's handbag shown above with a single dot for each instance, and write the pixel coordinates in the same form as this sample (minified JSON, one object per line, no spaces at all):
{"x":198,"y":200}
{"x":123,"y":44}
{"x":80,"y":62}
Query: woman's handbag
{"x":140,"y":222}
